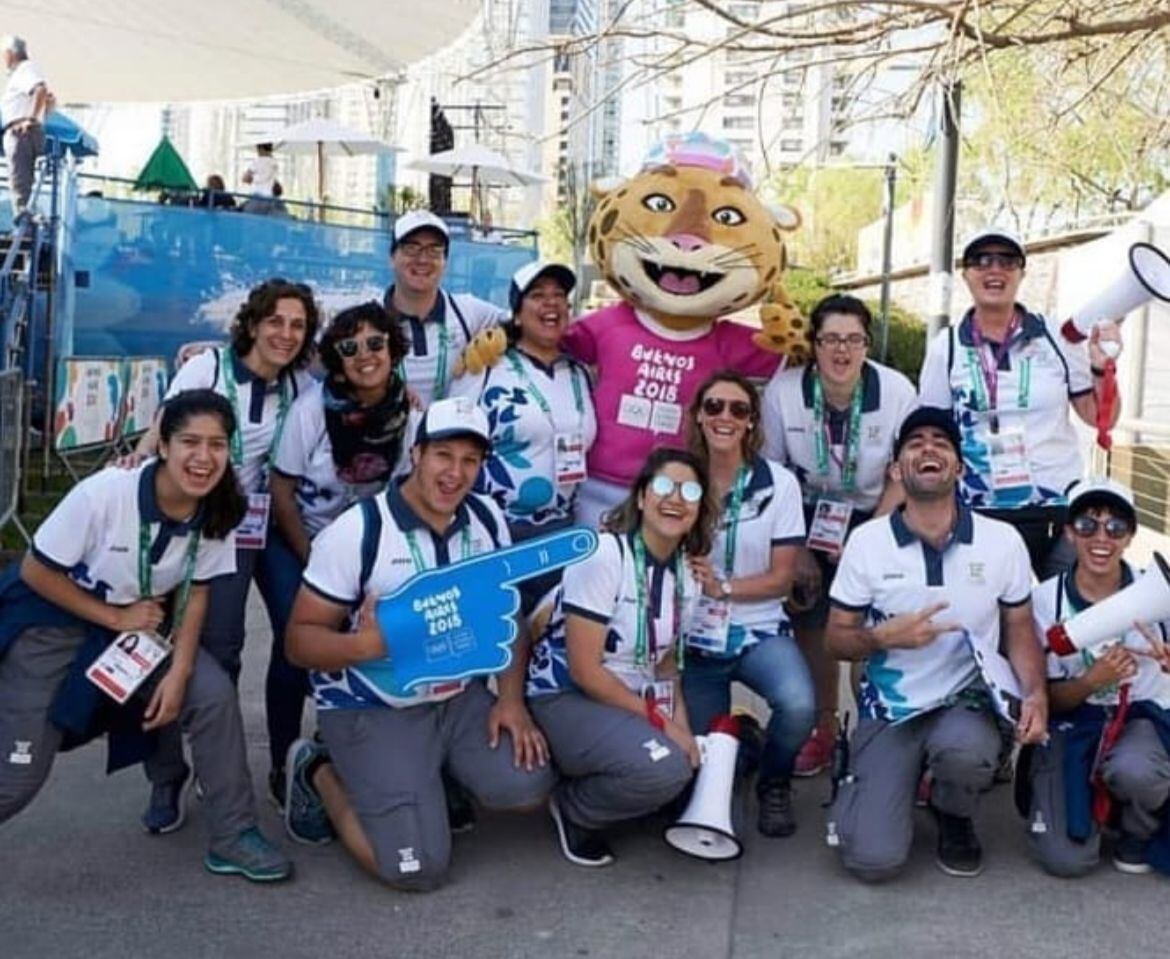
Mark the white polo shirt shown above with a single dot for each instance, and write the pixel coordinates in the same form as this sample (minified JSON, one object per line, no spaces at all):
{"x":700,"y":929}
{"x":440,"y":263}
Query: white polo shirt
{"x":259,"y":406}
{"x":17,"y":103}
{"x":885,"y":569}
{"x":520,"y":472}
{"x":1058,"y":599}
{"x":263,"y":170}
{"x":790,"y":431}
{"x":335,"y":573}
{"x":771,"y":515}
{"x":306,"y":455}
{"x":1037,"y":377}
{"x":462,"y":316}
{"x":93,"y":537}
{"x":603,"y":588}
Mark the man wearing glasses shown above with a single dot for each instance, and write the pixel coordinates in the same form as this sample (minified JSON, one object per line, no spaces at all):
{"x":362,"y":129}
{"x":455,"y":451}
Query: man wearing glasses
{"x":437,"y":324}
{"x":1011,"y":381}
{"x":1108,"y":753}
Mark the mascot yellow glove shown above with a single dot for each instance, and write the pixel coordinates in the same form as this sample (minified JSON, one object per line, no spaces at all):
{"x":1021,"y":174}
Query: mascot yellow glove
{"x":782,"y":328}
{"x":484,"y":350}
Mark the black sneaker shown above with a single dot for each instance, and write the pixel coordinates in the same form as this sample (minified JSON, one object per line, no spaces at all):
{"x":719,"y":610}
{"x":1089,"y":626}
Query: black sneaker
{"x":460,"y":809}
{"x":776,"y":815}
{"x":167,"y":809}
{"x":1129,"y":855}
{"x":581,"y":846}
{"x":277,"y":786}
{"x":959,"y":852}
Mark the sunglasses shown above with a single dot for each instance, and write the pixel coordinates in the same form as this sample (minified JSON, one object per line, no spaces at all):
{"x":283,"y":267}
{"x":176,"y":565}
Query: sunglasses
{"x":1115,"y":527}
{"x":663,"y":486}
{"x":375,"y":343}
{"x":739,"y":409}
{"x":985,"y":261}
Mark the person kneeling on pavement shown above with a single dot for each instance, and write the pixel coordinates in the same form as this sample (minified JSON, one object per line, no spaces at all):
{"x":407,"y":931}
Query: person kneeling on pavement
{"x":916,"y":593}
{"x":1106,"y":766}
{"x":377,"y":779}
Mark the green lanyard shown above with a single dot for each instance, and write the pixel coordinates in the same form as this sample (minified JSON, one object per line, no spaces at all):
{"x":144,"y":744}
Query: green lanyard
{"x":852,"y":435}
{"x":645,"y":634}
{"x":145,"y":571}
{"x":233,"y":395}
{"x":578,"y":397}
{"x":440,"y":365}
{"x":420,"y":564}
{"x":733,"y":509}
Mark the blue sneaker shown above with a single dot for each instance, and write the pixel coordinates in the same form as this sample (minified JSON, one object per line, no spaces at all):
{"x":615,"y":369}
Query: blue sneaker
{"x":305,"y":818}
{"x":167,"y":809}
{"x":249,"y":855}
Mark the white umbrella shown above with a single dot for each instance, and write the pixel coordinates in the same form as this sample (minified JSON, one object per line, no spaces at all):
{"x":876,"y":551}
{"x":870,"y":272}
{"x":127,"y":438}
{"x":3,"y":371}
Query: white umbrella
{"x":484,"y":167}
{"x":324,"y":138}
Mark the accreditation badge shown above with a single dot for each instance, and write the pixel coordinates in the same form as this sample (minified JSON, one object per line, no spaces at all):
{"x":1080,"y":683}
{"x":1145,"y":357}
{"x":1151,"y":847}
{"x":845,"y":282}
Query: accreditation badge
{"x":127,"y":663}
{"x":661,"y":694}
{"x":252,"y":533}
{"x":569,"y":458}
{"x":1008,"y":453}
{"x":830,"y":526}
{"x":709,"y":625}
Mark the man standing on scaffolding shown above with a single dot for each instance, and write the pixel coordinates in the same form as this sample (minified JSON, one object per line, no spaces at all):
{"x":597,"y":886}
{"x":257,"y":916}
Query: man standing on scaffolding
{"x":23,"y":107}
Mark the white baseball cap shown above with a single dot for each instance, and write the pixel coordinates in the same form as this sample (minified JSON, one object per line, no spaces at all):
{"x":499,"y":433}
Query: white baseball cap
{"x":993,"y":234}
{"x":1105,"y":492}
{"x":415,"y":220}
{"x":454,"y":417}
{"x":529,"y":273}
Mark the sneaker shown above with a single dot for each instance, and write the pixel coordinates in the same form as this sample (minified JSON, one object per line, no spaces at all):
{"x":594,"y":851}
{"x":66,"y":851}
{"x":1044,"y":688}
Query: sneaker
{"x":277,"y":787}
{"x":249,"y":855}
{"x":460,"y":810}
{"x":167,"y":809}
{"x":959,"y":852}
{"x":776,"y":815}
{"x":305,"y":818}
{"x":1129,"y":855}
{"x":816,"y":754}
{"x":584,"y":847}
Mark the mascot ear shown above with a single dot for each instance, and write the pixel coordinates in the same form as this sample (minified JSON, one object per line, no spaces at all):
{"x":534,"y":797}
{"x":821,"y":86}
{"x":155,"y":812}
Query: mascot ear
{"x":605,"y":185}
{"x":785,"y":216}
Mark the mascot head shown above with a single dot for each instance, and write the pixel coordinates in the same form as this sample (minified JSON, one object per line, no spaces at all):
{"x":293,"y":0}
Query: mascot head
{"x":686,"y":240}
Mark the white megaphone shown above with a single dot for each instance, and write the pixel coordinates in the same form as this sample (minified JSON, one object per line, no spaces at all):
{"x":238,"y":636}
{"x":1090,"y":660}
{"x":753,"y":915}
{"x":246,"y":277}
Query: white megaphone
{"x":704,"y":829}
{"x":1146,"y":599}
{"x":1146,"y":276}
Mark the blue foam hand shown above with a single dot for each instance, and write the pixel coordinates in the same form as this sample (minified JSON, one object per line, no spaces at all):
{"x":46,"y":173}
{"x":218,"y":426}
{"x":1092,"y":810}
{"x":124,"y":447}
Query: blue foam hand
{"x":458,"y":621}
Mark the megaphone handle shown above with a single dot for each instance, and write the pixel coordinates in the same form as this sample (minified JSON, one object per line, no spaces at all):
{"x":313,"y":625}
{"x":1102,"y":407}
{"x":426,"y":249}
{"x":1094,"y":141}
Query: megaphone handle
{"x":1106,"y":404}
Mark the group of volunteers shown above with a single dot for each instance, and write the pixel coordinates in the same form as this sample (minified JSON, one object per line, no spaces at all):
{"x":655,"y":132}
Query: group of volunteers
{"x":836,"y":515}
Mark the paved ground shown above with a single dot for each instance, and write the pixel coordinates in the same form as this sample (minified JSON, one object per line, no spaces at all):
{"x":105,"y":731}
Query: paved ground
{"x":79,"y":878}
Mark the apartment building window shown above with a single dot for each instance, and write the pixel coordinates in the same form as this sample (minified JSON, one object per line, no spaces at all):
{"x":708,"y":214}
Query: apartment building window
{"x":744,"y":11}
{"x":791,"y":146}
{"x":739,"y":100}
{"x":738,"y":123}
{"x":737,"y":78}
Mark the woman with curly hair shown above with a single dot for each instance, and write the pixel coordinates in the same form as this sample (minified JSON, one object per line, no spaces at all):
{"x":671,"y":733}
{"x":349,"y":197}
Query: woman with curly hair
{"x":260,"y":373}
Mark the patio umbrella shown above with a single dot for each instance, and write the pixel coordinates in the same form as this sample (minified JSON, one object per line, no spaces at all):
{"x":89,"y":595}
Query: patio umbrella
{"x":165,"y":170}
{"x":483,"y":166}
{"x":324,"y":138}
{"x":63,"y":135}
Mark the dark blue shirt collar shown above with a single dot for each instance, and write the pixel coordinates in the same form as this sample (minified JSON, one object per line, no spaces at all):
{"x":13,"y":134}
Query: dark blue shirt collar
{"x":151,"y":512}
{"x":545,"y":368}
{"x":1031,"y":326}
{"x":963,"y":532}
{"x":1076,"y":600}
{"x":406,"y":519}
{"x":871,"y":394}
{"x":437,"y":315}
{"x":243,"y":374}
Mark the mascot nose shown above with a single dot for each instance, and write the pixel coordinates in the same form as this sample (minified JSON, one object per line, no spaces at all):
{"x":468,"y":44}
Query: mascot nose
{"x":687,"y":242}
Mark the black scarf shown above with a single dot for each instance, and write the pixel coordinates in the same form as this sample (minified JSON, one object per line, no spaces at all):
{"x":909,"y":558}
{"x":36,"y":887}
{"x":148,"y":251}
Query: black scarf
{"x":366,"y":440}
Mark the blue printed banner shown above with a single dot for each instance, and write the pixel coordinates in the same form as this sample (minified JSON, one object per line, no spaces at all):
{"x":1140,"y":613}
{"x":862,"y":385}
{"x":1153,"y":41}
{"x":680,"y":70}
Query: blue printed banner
{"x":458,"y":621}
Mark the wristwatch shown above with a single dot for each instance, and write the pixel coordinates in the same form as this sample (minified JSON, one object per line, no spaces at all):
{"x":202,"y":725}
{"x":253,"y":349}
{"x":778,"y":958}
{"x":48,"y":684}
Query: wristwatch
{"x":725,"y":588}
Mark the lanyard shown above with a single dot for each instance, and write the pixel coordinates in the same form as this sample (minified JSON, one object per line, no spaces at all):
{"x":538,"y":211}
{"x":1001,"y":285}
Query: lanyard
{"x":852,"y":444}
{"x":420,"y":564}
{"x":733,"y":510}
{"x":440,"y":364}
{"x":986,"y":384}
{"x":233,"y":395}
{"x":578,"y":398}
{"x":145,"y":571}
{"x":646,"y":630}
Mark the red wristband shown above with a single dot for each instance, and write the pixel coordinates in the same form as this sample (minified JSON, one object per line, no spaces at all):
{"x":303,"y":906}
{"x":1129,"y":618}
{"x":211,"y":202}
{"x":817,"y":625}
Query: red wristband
{"x":653,"y":716}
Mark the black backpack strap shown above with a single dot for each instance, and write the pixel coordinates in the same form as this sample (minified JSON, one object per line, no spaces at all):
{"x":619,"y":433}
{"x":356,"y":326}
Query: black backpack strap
{"x":484,"y":514}
{"x":459,"y":316}
{"x":371,"y":535}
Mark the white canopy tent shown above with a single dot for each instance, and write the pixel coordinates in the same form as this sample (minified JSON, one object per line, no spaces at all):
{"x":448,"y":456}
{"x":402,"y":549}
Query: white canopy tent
{"x":175,"y":50}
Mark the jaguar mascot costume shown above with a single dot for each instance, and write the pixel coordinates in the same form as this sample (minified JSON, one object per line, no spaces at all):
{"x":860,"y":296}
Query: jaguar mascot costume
{"x":684,"y":242}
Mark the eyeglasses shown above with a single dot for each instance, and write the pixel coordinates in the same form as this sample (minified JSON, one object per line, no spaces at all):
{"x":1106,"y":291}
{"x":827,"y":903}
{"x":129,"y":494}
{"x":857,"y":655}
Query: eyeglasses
{"x":739,"y":409}
{"x":663,"y":486}
{"x":985,"y":261}
{"x":1115,"y":527}
{"x":422,"y":251}
{"x":375,"y":343}
{"x":853,"y":341}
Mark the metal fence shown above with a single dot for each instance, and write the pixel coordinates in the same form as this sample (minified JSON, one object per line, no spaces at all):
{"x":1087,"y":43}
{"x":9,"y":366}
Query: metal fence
{"x":11,"y":434}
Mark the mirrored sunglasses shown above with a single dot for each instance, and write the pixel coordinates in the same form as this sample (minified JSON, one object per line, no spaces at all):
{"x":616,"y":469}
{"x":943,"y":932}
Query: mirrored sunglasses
{"x":1115,"y":527}
{"x":375,"y":343}
{"x":663,"y":486}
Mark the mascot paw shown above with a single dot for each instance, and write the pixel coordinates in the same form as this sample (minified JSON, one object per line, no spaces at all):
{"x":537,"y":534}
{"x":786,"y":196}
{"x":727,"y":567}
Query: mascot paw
{"x":783,"y":329}
{"x":484,"y":350}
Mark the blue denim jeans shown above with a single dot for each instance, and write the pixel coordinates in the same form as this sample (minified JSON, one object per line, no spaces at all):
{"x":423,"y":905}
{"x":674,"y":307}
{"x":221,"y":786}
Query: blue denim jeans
{"x":772,"y":668}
